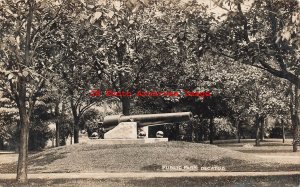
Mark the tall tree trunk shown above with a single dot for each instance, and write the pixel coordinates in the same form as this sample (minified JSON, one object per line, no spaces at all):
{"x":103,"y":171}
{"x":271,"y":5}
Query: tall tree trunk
{"x":294,"y":106}
{"x":283,"y":131}
{"x":123,"y":80}
{"x":71,"y":134}
{"x":211,"y":130}
{"x":23,"y":145}
{"x":23,"y":150}
{"x":257,"y":120}
{"x":57,"y":138}
{"x":21,"y":102}
{"x":76,"y":117}
{"x":262,"y":128}
{"x":295,"y":120}
{"x":76,"y":130}
{"x":237,"y":124}
{"x":24,"y":127}
{"x":125,"y":105}
{"x":57,"y":124}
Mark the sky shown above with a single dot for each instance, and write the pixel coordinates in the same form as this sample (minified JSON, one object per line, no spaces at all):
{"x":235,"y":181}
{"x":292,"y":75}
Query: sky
{"x":216,"y":9}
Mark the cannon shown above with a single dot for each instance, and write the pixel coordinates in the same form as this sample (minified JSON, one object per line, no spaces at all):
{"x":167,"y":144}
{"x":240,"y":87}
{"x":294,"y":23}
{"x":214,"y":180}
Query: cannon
{"x":120,"y":126}
{"x":146,"y":119}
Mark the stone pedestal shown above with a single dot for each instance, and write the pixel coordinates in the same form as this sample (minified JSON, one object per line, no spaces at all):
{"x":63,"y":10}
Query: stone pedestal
{"x":124,"y":130}
{"x":126,"y":133}
{"x":127,"y":141}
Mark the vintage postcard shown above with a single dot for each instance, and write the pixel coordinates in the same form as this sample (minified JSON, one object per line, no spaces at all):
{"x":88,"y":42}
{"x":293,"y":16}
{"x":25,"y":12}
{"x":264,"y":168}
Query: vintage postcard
{"x":149,"y":93}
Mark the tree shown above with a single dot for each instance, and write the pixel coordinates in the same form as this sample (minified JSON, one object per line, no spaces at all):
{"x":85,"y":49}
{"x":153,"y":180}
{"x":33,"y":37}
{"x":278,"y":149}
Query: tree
{"x":17,"y":74}
{"x":140,"y":43}
{"x":77,"y":75}
{"x":265,"y":36}
{"x":25,"y":27}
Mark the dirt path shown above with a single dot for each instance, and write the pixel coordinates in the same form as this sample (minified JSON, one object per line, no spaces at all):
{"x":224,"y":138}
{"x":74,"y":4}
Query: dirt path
{"x":147,"y":175}
{"x":7,"y":157}
{"x":283,"y":159}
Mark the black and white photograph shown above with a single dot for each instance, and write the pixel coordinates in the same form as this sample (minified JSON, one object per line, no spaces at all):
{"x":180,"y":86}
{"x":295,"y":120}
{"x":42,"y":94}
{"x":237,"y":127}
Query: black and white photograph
{"x":150,"y":93}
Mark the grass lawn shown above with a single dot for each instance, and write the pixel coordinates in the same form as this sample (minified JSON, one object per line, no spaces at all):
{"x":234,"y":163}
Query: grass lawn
{"x":272,"y":149}
{"x":145,"y":157}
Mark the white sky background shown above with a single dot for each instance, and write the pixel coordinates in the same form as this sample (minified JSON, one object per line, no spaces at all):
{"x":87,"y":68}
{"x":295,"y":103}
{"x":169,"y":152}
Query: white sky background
{"x":216,"y":9}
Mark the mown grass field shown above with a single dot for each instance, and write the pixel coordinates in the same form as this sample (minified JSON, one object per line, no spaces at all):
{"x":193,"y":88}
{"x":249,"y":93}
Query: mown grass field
{"x":145,"y":158}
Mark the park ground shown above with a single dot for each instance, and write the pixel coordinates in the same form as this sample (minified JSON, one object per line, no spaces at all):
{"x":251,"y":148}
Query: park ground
{"x":270,"y":181}
{"x":271,"y":156}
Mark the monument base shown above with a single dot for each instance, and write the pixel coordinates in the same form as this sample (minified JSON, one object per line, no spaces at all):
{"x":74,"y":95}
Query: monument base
{"x":124,"y":130}
{"x":127,"y":141}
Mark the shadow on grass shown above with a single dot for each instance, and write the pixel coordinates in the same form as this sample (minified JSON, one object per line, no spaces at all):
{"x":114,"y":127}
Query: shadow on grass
{"x":33,"y":160}
{"x":8,"y":168}
{"x":45,"y":159}
{"x":152,"y":167}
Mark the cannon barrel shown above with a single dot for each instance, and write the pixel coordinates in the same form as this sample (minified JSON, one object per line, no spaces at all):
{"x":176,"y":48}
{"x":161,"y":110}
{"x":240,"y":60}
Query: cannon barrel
{"x":110,"y":122}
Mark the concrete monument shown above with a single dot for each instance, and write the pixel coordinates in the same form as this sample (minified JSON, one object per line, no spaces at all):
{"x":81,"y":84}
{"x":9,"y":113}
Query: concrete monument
{"x":120,"y":127}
